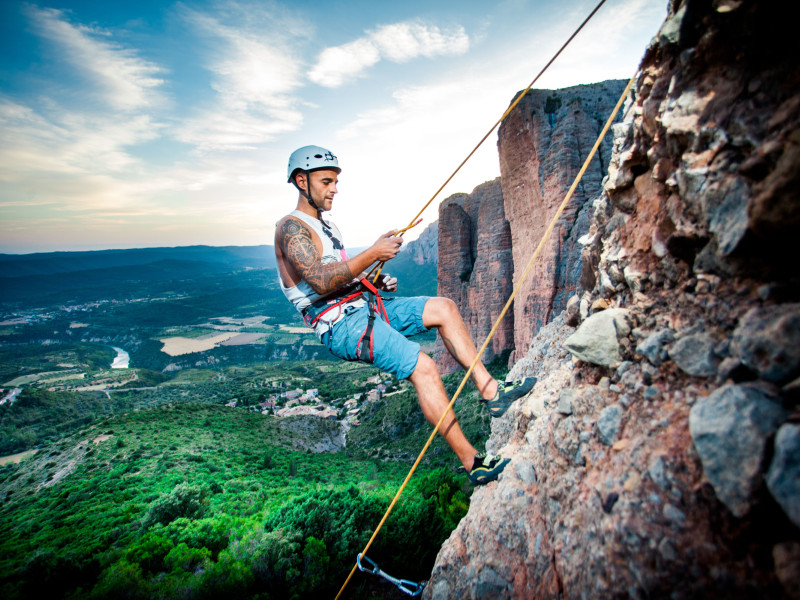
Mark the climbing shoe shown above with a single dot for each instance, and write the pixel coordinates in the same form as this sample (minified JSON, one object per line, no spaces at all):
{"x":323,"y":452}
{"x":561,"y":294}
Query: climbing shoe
{"x":507,"y":392}
{"x":485,"y":468}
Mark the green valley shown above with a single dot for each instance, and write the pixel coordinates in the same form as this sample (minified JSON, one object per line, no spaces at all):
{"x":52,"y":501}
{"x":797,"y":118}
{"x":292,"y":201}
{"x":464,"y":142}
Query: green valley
{"x":172,"y":430}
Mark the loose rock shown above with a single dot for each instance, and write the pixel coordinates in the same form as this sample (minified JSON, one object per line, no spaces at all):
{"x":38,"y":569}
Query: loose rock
{"x":694,"y":355}
{"x":783,"y":477}
{"x":565,"y":399}
{"x":572,"y":313}
{"x":653,"y":347}
{"x":597,"y":339}
{"x":730,"y":428}
{"x":609,"y":423}
{"x":787,"y":567}
{"x":768,"y":341}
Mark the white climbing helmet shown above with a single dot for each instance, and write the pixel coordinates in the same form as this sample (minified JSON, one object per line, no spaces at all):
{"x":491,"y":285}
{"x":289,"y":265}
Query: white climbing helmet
{"x":311,"y":158}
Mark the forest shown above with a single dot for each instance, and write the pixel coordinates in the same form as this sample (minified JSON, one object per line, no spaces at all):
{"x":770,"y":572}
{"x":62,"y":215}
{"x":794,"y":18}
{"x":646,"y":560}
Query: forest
{"x":202,"y":501}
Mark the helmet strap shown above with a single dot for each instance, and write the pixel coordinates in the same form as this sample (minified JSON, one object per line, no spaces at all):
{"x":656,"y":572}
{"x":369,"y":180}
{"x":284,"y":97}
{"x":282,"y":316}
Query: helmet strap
{"x":307,"y":194}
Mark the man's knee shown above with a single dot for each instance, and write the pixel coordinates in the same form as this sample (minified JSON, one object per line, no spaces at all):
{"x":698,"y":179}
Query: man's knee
{"x":426,"y":368}
{"x":439,"y":310}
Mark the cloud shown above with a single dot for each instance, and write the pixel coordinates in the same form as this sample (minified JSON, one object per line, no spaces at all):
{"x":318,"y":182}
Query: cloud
{"x":339,"y":64}
{"x":403,"y":41}
{"x":399,"y":43}
{"x":226,"y":130}
{"x":67,"y":142}
{"x":254,"y":75}
{"x":124,"y":80}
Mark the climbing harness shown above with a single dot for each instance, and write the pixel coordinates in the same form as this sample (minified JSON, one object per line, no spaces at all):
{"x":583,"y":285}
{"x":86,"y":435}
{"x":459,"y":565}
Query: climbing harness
{"x":521,"y":281}
{"x":404,"y":585}
{"x":314,"y":312}
{"x":375,"y":304}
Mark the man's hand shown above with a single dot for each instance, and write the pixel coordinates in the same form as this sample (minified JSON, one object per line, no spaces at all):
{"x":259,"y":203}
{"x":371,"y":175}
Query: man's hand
{"x":387,"y":283}
{"x":387,"y":246}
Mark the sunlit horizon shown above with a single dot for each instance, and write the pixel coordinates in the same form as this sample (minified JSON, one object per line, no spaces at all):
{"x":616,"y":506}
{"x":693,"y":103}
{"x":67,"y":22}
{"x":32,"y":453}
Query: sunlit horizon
{"x":167,"y":125}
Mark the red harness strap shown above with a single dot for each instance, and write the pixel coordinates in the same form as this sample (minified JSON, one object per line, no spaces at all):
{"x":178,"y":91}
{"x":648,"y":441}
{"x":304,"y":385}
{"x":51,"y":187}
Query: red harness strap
{"x":311,"y":317}
{"x":375,"y":304}
{"x":313,"y":313}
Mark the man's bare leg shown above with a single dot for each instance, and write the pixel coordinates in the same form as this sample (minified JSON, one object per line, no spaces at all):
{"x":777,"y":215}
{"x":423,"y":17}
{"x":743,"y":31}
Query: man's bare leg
{"x":433,"y":401}
{"x":443,"y":314}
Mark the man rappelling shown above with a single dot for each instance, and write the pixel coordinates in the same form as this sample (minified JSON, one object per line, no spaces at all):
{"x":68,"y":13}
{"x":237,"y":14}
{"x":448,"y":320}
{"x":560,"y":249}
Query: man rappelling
{"x":349,"y":316}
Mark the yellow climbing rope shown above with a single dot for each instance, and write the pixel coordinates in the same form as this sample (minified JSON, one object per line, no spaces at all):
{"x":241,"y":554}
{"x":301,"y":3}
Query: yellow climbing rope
{"x":522,"y":279}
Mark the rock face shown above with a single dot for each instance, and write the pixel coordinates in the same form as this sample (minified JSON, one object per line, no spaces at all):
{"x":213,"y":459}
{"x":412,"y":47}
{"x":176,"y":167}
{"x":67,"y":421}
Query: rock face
{"x":542,"y":146}
{"x":671,"y":470}
{"x":475,"y":268}
{"x":425,"y":249}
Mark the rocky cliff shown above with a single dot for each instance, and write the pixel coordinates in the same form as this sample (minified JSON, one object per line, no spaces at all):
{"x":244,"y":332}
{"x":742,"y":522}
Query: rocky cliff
{"x":658,"y":455}
{"x":425,"y":249}
{"x":542,"y":146}
{"x":475,"y":268}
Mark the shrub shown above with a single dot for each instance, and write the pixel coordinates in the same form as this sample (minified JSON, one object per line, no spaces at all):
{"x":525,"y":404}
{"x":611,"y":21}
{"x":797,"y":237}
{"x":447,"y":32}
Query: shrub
{"x":183,"y":501}
{"x":149,"y":552}
{"x":200,"y":533}
{"x":552,"y":104}
{"x":183,"y":558}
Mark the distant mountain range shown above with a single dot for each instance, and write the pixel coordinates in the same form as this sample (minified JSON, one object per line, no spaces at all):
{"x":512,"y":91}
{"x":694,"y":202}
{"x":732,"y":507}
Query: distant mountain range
{"x":54,"y":277}
{"x":48,"y":263}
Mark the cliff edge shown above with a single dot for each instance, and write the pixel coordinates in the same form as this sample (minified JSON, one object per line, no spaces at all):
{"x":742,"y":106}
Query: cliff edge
{"x":658,"y":455}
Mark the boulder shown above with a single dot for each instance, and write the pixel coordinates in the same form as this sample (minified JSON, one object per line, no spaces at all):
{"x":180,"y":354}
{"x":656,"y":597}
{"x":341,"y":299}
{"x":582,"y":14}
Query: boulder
{"x":597,"y":339}
{"x":768,"y":341}
{"x":783,"y":477}
{"x":730,"y":428}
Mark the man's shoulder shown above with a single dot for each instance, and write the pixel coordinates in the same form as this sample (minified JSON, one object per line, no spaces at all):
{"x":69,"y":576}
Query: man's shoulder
{"x":292,"y":220}
{"x":291,"y":225}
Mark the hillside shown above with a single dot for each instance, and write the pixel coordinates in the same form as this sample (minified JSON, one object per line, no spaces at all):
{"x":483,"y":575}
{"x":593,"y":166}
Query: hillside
{"x":657,"y":457}
{"x":169,"y":475}
{"x":207,"y":501}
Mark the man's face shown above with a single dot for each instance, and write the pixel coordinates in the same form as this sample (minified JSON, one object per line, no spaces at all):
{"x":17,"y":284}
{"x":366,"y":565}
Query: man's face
{"x":323,"y":187}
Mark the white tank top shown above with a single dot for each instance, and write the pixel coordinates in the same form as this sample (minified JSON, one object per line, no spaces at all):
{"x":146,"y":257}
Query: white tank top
{"x":302,"y":294}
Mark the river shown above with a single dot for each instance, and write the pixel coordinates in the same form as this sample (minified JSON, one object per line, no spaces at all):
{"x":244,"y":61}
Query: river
{"x":121,"y":360}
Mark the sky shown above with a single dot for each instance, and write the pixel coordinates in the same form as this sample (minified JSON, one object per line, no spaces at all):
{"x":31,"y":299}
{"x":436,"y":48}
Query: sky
{"x":157,"y":123}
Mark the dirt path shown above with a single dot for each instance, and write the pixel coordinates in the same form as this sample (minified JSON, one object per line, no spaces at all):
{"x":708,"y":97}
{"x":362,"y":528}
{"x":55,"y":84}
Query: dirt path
{"x":16,"y":458}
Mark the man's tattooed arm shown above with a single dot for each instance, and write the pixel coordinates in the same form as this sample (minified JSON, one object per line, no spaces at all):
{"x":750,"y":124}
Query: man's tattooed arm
{"x":302,"y":254}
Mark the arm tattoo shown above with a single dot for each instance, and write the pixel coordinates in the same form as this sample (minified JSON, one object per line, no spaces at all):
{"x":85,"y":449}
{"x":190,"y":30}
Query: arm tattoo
{"x":302,"y":254}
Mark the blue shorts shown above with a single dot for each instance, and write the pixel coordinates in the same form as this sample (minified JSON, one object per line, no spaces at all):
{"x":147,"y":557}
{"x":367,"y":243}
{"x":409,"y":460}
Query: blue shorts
{"x":392,"y":351}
